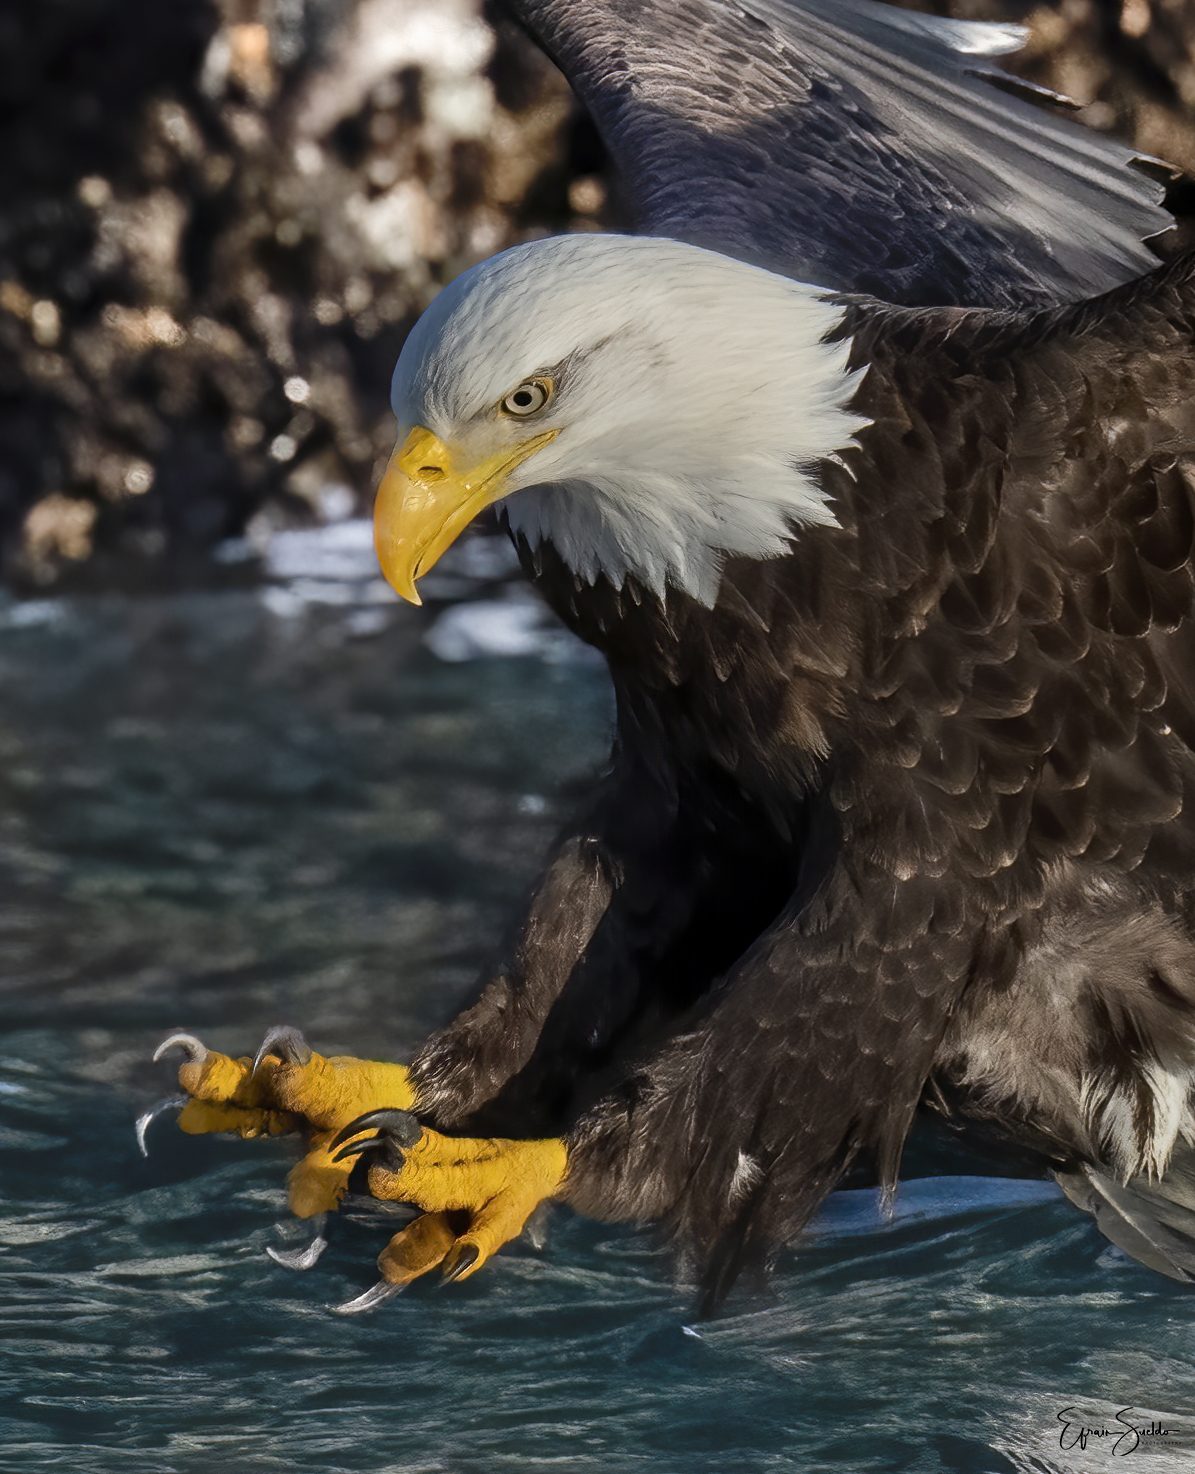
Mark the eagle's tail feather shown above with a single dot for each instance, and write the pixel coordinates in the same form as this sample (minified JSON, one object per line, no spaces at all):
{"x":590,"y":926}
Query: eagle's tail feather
{"x":1152,"y":1222}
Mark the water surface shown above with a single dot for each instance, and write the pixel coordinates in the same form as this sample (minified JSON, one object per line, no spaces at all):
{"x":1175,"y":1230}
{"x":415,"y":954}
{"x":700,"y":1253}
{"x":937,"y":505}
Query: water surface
{"x":295,"y":801}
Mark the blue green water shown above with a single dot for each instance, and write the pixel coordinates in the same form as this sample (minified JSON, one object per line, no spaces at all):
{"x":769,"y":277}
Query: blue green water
{"x":223,"y":810}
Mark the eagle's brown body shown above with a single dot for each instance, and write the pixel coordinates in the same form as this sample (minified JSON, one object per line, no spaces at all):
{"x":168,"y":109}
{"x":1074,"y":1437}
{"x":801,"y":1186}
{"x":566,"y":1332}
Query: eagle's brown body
{"x":899,"y":611}
{"x":910,"y":809}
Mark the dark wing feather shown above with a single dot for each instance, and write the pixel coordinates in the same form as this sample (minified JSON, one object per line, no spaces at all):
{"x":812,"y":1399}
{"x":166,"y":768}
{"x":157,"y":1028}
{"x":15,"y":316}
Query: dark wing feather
{"x":1057,"y":658}
{"x":1091,"y":703}
{"x":856,"y":146}
{"x":1153,"y":1223}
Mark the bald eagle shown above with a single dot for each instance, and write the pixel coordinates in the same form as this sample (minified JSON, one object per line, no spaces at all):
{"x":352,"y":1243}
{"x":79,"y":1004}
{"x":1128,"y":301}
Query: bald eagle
{"x":884,"y":525}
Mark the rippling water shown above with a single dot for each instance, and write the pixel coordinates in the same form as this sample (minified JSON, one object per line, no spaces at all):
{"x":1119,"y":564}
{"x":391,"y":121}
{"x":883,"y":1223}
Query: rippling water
{"x":299,"y":802}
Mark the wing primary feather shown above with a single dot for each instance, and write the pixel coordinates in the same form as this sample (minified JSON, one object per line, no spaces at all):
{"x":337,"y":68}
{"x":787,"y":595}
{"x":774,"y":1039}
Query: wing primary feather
{"x":853,"y":145}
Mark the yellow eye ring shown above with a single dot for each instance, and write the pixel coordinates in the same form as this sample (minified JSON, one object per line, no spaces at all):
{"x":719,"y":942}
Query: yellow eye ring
{"x":528,"y":399}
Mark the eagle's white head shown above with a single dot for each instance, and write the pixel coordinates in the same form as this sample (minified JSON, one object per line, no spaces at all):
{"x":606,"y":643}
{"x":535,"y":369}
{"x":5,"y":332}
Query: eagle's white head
{"x":649,"y":408}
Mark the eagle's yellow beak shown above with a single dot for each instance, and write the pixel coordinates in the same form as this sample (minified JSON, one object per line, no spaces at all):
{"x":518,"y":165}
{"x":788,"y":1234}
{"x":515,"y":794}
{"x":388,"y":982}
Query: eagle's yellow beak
{"x":426,"y":501}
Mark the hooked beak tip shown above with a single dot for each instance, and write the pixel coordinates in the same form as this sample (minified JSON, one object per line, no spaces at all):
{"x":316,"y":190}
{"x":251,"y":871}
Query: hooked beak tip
{"x":400,"y":578}
{"x":398,"y":567}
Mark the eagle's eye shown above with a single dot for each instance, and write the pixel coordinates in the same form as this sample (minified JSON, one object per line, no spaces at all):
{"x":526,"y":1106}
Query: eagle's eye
{"x":528,"y":399}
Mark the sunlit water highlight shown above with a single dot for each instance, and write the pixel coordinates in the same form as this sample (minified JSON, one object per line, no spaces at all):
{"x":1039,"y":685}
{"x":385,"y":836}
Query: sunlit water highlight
{"x":286,"y":803}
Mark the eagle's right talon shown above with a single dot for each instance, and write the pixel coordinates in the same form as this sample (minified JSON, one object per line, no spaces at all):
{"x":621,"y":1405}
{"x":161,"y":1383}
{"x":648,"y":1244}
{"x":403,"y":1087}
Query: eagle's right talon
{"x":385,"y":1146}
{"x":146,"y":1119}
{"x":285,"y":1041}
{"x":194,"y":1048}
{"x":303,"y":1256}
{"x":291,"y":1089}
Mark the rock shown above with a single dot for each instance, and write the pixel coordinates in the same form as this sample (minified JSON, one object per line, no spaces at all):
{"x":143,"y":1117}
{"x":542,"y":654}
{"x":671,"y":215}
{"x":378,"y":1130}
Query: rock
{"x":219,"y":222}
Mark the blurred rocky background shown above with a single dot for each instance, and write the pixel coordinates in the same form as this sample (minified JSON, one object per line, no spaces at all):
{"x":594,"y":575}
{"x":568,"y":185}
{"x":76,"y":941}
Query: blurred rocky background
{"x":218,"y":218}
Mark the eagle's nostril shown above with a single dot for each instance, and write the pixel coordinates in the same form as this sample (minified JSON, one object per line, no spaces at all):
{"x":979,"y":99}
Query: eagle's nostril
{"x":430,"y":473}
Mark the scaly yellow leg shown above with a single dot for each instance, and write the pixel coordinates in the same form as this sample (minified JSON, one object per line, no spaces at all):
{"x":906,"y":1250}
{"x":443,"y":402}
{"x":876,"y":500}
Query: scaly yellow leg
{"x":332,"y":1092}
{"x":498,"y":1182}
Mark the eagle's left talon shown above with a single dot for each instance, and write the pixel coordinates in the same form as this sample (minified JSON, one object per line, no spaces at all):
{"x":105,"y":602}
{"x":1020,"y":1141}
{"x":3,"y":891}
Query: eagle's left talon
{"x":395,"y":1131}
{"x":369,"y":1299}
{"x":459,"y":1262}
{"x":478,"y":1192}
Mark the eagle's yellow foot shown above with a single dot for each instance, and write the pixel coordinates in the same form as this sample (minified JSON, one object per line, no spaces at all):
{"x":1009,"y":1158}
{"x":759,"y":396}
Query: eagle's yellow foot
{"x":329,"y":1092}
{"x":221,"y":1095}
{"x":415,"y":1250}
{"x":326,"y":1092}
{"x":288,"y":1087}
{"x":495,"y":1185}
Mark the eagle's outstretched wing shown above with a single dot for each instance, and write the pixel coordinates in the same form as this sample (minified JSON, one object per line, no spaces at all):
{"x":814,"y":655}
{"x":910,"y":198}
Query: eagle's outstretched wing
{"x":856,"y":146}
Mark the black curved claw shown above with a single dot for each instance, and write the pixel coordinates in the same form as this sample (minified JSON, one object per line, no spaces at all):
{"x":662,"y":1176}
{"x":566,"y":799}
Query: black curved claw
{"x":459,"y":1260}
{"x":287,"y":1043}
{"x":394,"y":1131}
{"x":401,"y":1125}
{"x":385,"y":1147}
